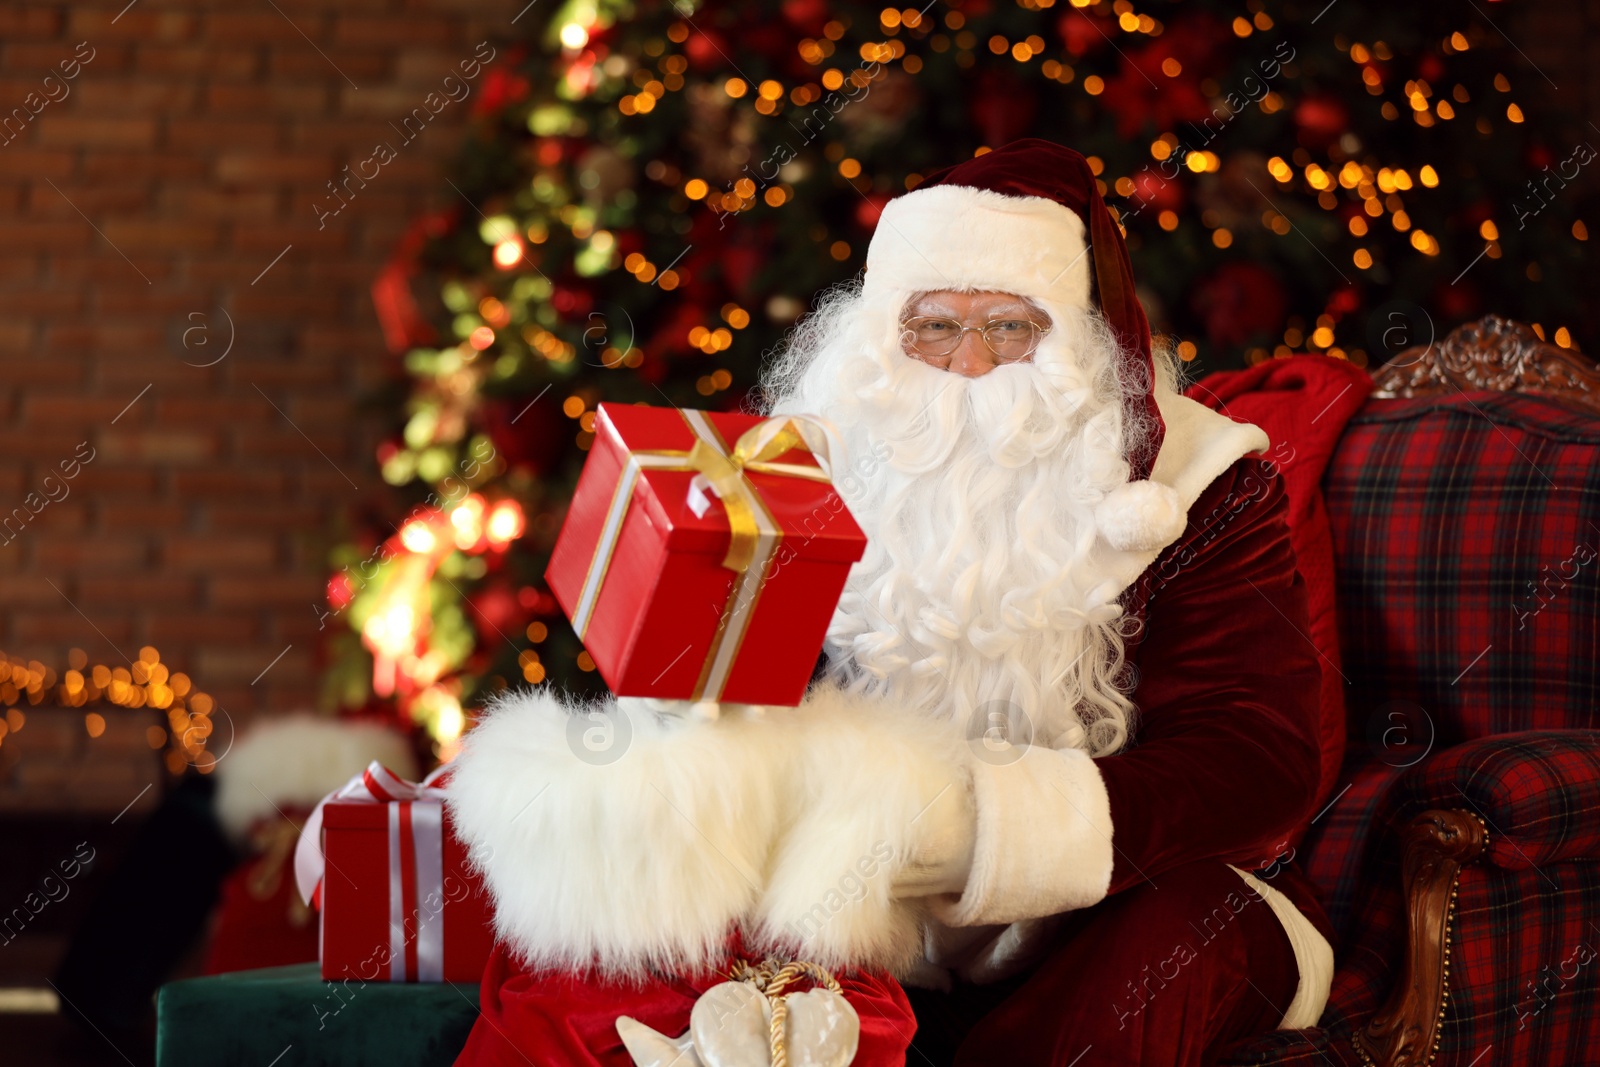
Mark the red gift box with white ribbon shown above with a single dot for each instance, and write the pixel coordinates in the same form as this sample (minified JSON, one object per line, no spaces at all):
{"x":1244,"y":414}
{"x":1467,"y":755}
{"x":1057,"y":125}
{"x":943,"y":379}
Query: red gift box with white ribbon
{"x":398,"y":901}
{"x":704,"y":553}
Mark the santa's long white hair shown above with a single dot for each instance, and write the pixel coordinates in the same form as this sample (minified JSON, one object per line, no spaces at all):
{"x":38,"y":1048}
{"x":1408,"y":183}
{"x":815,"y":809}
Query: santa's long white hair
{"x":975,"y":601}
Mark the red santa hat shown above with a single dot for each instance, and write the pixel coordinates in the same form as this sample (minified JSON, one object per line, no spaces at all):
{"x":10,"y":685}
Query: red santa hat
{"x":1026,"y":219}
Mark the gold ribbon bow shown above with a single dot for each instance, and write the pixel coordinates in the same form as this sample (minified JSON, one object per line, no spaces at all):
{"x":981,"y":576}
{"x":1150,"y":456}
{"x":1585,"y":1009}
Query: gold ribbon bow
{"x":724,"y":473}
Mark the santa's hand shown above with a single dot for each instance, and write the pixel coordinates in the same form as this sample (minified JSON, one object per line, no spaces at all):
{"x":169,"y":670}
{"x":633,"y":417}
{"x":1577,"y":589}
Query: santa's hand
{"x":941,"y":844}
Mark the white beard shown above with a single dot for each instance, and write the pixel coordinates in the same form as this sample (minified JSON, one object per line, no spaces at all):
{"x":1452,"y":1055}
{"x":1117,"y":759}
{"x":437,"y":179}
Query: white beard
{"x":975,"y":602}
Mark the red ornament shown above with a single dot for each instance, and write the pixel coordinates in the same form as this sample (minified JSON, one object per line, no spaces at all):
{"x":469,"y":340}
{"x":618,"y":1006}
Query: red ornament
{"x":869,"y":208}
{"x":572,"y":301}
{"x":1081,"y":35}
{"x":495,"y":612}
{"x":1141,"y":94}
{"x":807,"y":16}
{"x":1342,"y":302}
{"x":1240,"y":302}
{"x":706,"y":50}
{"x":1321,"y":120}
{"x":1151,"y":190}
{"x":1454,"y":303}
{"x":1001,"y":109}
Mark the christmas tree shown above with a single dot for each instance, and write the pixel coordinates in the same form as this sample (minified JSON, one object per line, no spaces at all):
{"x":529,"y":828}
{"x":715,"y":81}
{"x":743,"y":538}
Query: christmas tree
{"x":652,"y":193}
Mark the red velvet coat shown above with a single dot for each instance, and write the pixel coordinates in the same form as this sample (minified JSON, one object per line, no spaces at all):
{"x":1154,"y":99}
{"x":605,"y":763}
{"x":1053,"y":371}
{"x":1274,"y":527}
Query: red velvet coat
{"x":1225,"y":760}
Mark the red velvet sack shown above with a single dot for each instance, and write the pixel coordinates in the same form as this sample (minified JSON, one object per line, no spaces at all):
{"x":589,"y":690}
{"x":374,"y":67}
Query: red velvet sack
{"x":562,"y":1020}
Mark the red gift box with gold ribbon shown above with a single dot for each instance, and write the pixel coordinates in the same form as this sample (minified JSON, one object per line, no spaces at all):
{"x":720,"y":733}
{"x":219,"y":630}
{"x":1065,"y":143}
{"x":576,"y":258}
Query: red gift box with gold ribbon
{"x":704,"y":553}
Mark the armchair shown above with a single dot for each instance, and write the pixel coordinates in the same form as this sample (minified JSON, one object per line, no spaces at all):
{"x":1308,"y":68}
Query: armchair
{"x":1460,"y":859}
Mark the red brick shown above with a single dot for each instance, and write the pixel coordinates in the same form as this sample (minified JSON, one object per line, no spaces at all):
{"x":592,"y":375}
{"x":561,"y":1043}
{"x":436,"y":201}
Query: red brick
{"x":102,"y":553}
{"x":390,"y":30}
{"x":77,"y":270}
{"x":227,"y":411}
{"x":309,"y":443}
{"x":63,"y":514}
{"x":266,"y":590}
{"x":266,"y":515}
{"x":141,"y":515}
{"x":18,"y":22}
{"x":296,"y":100}
{"x":21,"y":161}
{"x":17,"y":337}
{"x":101,"y":479}
{"x":99,"y":336}
{"x":199,"y":60}
{"x":137,"y":366}
{"x":215,"y":552}
{"x":295,"y":374}
{"x":48,"y":445}
{"x":140,"y":24}
{"x":200,"y":625}
{"x":28,"y":590}
{"x":248,"y":664}
{"x":65,"y":200}
{"x":280,"y":302}
{"x":144,"y":166}
{"x":362,"y":66}
{"x":267,"y":168}
{"x":139,"y":96}
{"x":73,"y":409}
{"x":341,"y":138}
{"x":274,"y":235}
{"x":40,"y":303}
{"x":166,"y":236}
{"x":48,"y":58}
{"x":22,"y":234}
{"x":172,"y":305}
{"x":208,"y":134}
{"x":158,"y":444}
{"x":136,"y":590}
{"x":231,"y":483}
{"x":91,"y":131}
{"x":324,"y":482}
{"x":265,"y":26}
{"x":91,"y":634}
{"x":205,"y":200}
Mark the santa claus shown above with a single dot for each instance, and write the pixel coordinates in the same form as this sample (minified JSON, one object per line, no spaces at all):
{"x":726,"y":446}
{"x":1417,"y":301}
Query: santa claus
{"x":1065,"y":726}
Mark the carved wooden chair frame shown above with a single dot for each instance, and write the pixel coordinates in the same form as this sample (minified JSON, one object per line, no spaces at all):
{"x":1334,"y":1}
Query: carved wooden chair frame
{"x":1499,"y":355}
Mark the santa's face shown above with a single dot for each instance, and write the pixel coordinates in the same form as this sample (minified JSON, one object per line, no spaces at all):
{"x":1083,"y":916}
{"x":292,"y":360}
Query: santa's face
{"x":977,"y":446}
{"x":972,"y":333}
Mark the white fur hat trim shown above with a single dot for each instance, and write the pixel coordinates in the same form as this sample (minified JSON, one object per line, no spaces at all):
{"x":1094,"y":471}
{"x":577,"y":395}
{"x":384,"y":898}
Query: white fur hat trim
{"x":1141,"y":516}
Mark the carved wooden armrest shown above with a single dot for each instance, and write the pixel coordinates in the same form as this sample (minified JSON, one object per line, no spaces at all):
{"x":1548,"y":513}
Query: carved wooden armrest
{"x":1405,"y":1031}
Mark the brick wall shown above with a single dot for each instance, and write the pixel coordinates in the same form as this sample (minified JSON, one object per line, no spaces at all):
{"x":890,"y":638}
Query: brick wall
{"x":160,"y":192}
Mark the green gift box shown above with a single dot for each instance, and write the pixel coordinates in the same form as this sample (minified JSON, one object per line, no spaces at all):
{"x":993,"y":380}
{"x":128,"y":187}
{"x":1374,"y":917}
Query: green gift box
{"x":290,"y":1017}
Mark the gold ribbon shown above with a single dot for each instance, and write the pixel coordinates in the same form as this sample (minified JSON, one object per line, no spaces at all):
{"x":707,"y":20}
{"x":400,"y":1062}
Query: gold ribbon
{"x":754,"y":534}
{"x":724,"y":472}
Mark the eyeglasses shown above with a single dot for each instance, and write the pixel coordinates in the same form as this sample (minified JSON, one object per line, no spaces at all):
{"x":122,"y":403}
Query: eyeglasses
{"x":1009,"y":339}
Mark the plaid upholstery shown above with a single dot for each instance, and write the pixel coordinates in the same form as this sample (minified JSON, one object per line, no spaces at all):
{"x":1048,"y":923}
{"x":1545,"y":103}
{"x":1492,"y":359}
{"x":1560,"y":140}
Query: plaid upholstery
{"x":1335,"y":850}
{"x":1539,"y":793}
{"x":1460,"y":527}
{"x":1467,"y":549}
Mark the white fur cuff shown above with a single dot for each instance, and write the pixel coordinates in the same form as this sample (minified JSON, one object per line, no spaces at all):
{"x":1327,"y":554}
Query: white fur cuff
{"x":1044,"y":839}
